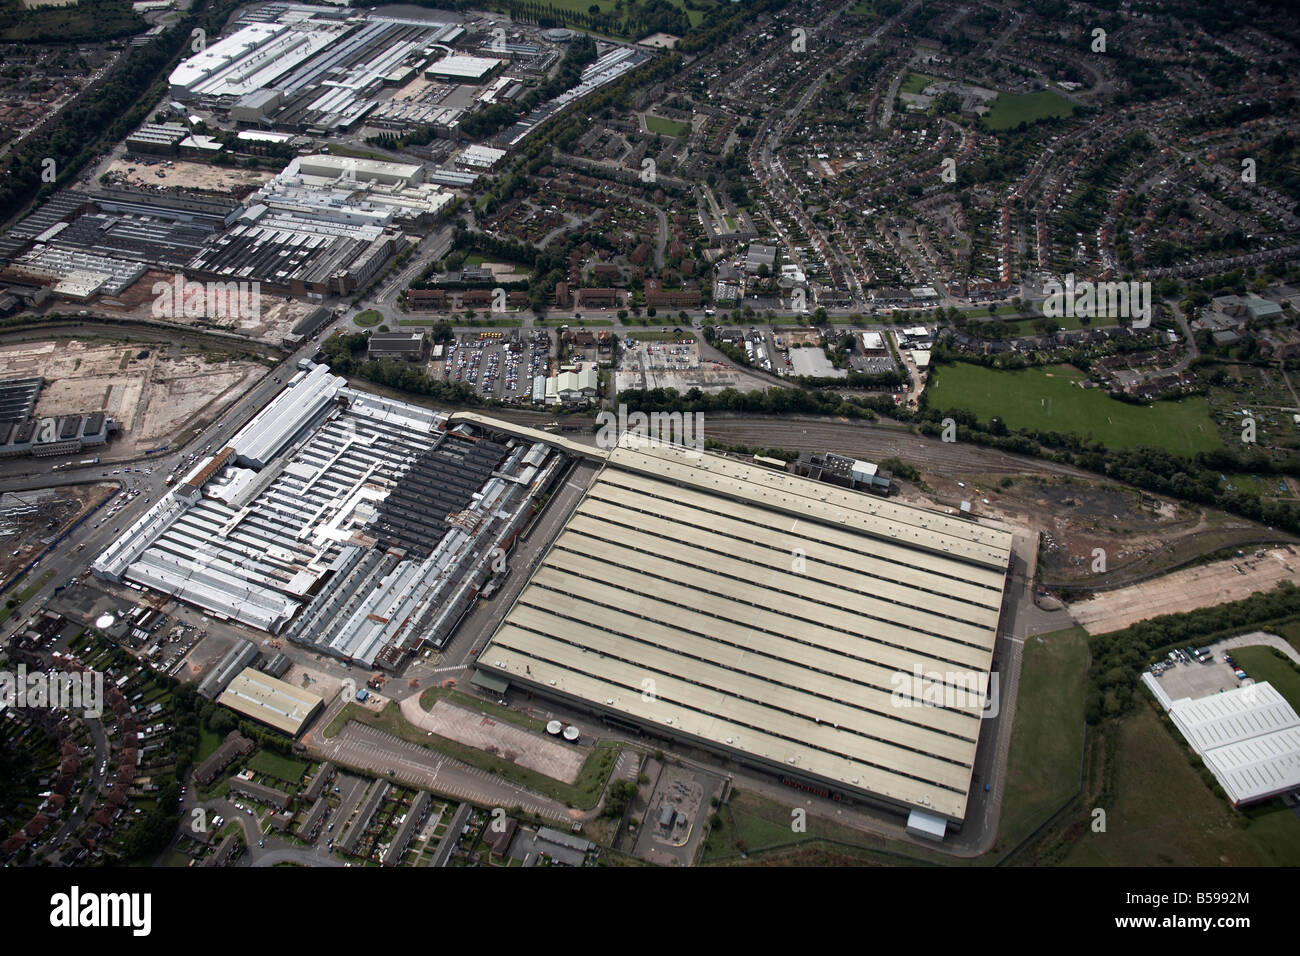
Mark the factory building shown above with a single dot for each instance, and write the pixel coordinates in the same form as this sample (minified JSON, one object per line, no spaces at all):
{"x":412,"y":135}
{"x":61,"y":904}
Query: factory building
{"x":271,"y":701}
{"x":81,"y":245}
{"x":463,"y":69}
{"x":325,"y":224}
{"x":481,"y":159}
{"x":406,"y":346}
{"x":354,"y":524}
{"x":18,"y":398}
{"x":306,"y":69}
{"x":1248,"y":737}
{"x":157,"y":139}
{"x":863,"y":670}
{"x":48,"y":437}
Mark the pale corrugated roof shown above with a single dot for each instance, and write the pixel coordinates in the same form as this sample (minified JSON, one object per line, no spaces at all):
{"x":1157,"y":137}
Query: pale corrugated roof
{"x":796,"y":623}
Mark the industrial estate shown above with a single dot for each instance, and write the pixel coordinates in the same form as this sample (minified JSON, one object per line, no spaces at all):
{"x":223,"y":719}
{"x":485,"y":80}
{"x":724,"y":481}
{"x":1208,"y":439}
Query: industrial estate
{"x":649,"y":433}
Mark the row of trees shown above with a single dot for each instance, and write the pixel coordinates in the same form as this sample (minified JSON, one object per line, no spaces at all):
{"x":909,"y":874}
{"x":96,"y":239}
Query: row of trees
{"x":1196,"y":479}
{"x":1118,"y":658}
{"x":108,"y":113}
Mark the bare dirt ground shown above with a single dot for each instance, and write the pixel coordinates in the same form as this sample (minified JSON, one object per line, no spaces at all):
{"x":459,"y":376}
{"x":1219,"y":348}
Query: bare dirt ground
{"x":796,"y":335}
{"x":520,"y":746}
{"x":222,"y":179}
{"x":265,"y":317}
{"x":1187,"y":590}
{"x":152,"y":397}
{"x":505,"y":272}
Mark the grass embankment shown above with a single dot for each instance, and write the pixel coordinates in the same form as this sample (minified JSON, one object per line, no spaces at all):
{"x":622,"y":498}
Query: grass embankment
{"x":1047,"y":736}
{"x":1263,"y":664}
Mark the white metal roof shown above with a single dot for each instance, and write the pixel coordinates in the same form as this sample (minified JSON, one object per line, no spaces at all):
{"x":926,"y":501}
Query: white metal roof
{"x":1249,"y":737}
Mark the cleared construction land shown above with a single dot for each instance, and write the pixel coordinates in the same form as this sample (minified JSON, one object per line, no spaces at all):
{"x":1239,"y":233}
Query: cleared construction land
{"x":1216,"y":583}
{"x":205,"y":176}
{"x":153,"y":391}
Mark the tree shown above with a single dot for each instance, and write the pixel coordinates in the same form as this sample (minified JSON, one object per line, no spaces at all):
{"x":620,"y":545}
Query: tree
{"x":618,"y":797}
{"x":222,"y":722}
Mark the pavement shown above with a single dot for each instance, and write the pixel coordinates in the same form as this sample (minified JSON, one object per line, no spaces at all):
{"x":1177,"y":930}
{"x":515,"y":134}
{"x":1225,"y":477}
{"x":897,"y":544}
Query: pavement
{"x":390,"y":757}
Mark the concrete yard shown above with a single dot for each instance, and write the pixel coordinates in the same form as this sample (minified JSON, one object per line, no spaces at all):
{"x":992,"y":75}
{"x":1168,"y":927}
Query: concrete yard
{"x":1216,"y":583}
{"x":674,"y":365}
{"x":687,"y":792}
{"x":1196,"y":680}
{"x":535,"y":751}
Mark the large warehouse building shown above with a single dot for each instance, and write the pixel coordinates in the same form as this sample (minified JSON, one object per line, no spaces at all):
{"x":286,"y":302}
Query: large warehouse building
{"x":836,"y":639}
{"x":271,"y":701}
{"x":1249,"y":737}
{"x":360,"y":526}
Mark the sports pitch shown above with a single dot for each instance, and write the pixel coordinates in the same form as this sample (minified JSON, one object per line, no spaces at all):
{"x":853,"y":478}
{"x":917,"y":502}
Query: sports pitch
{"x":1010,"y":110}
{"x":1048,"y":399}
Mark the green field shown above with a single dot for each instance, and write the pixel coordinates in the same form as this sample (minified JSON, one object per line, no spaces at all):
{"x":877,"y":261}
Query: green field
{"x":1047,"y":735}
{"x":1024,"y":325}
{"x":209,"y":741}
{"x":1291,"y":631}
{"x":666,"y":127}
{"x":916,"y":82}
{"x":761,"y":827}
{"x":1263,"y":664}
{"x":1163,"y":814}
{"x":1047,"y":399}
{"x":1010,"y":110}
{"x":275,"y":765}
{"x":368,"y":318}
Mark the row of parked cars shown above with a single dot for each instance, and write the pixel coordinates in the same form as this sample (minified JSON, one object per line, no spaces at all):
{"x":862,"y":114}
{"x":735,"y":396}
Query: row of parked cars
{"x":1201,"y":655}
